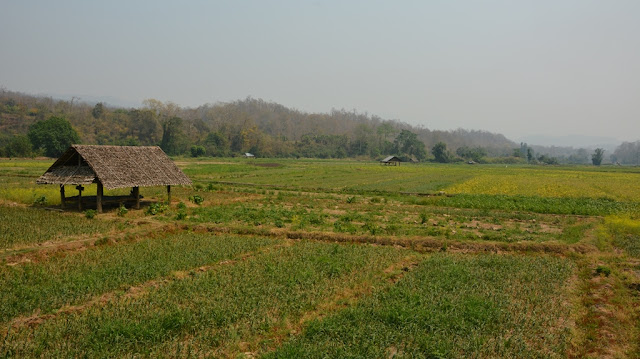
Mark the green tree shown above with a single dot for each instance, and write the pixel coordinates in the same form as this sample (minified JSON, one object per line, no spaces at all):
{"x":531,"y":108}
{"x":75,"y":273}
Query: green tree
{"x":597,"y":157}
{"x":548,"y":160}
{"x":216,"y":144}
{"x":54,"y":136}
{"x":98,"y":110}
{"x":530,"y":156}
{"x":19,"y":146}
{"x":197,"y":151}
{"x":171,"y":135}
{"x":441,"y":153}
{"x":474,"y":154}
{"x":408,"y":145}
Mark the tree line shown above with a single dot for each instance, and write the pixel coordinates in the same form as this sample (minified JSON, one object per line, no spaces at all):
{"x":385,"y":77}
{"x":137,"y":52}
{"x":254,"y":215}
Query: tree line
{"x":265,"y":129}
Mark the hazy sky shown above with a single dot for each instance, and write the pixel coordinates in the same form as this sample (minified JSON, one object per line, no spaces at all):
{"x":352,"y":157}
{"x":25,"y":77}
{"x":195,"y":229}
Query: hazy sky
{"x":554,"y":67}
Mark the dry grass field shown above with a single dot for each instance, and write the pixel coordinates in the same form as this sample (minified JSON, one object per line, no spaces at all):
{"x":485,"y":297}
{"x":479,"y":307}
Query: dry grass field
{"x":284,"y":258}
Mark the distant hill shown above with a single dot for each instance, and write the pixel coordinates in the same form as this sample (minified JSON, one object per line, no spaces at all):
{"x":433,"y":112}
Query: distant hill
{"x":248,"y":125}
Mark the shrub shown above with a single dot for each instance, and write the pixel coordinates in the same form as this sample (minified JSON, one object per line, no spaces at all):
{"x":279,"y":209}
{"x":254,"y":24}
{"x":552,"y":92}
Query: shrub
{"x":182,"y":214}
{"x":90,"y":213}
{"x":372,"y":228}
{"x":196,"y":199}
{"x":602,"y":270}
{"x":155,"y":208}
{"x":122,"y":210}
{"x":40,"y":201}
{"x":197,"y":151}
{"x":424,"y":217}
{"x":211,"y":187}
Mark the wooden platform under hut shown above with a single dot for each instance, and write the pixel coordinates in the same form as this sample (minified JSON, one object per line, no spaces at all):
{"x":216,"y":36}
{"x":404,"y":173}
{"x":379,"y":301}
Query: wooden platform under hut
{"x":112,"y":167}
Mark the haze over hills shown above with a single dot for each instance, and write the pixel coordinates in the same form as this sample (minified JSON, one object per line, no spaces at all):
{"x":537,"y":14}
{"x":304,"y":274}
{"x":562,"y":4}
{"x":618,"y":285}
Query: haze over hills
{"x":578,"y":141}
{"x":109,"y":101}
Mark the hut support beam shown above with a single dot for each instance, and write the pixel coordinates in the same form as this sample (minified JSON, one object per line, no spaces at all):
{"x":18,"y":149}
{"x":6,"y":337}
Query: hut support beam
{"x":136,"y":195}
{"x":169,"y":194}
{"x":99,"y":198}
{"x":79,"y":188}
{"x":62,"y":197}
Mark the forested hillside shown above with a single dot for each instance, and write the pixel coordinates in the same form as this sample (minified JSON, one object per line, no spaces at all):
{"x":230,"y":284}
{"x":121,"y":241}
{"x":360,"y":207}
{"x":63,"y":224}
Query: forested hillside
{"x":228,"y":129}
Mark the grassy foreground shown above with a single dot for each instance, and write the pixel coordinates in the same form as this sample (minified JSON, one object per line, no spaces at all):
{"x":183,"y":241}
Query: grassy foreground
{"x":289,"y":259}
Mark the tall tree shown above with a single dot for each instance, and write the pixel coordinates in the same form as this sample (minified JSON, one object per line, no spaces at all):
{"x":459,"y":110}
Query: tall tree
{"x":98,"y":110}
{"x":408,"y":145}
{"x":597,"y":157}
{"x":54,"y":136}
{"x":171,"y":135}
{"x":441,"y":153}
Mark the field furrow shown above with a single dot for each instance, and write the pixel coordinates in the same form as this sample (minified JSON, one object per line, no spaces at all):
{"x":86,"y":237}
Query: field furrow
{"x":67,"y":280}
{"x":214,"y":309}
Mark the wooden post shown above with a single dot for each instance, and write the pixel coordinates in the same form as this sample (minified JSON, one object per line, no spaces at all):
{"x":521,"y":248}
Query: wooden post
{"x":169,"y":193}
{"x":136,"y":195}
{"x":79,"y":188}
{"x":62,"y":198}
{"x":99,"y":197}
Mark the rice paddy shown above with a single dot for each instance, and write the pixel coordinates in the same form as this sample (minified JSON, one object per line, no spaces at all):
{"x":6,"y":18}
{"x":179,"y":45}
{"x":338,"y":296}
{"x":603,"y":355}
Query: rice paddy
{"x":289,"y":259}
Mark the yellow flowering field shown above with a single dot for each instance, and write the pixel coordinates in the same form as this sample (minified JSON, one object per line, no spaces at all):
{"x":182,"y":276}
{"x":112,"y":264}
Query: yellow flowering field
{"x":553,"y":182}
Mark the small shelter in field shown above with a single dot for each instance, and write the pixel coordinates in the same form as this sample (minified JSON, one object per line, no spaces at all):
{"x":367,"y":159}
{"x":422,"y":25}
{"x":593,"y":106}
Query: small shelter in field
{"x":391,"y":161}
{"x":113,"y":167}
{"x":249,"y":155}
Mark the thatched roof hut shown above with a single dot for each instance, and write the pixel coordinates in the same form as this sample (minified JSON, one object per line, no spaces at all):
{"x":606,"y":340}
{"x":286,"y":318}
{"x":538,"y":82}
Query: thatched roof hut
{"x":113,"y":167}
{"x":391,"y":160}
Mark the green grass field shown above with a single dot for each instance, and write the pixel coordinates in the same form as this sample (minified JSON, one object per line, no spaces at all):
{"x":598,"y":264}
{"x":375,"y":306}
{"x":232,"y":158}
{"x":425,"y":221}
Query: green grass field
{"x":284,"y":258}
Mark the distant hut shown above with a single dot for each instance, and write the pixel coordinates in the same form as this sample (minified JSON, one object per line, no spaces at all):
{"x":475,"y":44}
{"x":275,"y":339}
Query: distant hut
{"x":113,"y":167}
{"x":391,"y":161}
{"x":249,"y":155}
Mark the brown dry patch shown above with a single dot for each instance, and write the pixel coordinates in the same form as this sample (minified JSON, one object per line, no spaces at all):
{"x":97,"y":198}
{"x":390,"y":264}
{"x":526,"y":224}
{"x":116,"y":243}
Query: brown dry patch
{"x":431,"y":244}
{"x":607,"y":311}
{"x":232,"y":197}
{"x":418,"y":244}
{"x":136,"y":291}
{"x":334,"y":212}
{"x":7,"y":203}
{"x":545,"y":228}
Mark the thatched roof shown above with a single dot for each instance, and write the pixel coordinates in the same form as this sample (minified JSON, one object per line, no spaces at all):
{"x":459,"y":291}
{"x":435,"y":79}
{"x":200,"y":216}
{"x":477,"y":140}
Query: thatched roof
{"x":115,"y":167}
{"x":391,"y":159}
